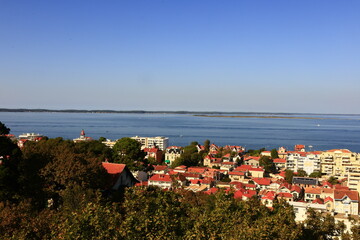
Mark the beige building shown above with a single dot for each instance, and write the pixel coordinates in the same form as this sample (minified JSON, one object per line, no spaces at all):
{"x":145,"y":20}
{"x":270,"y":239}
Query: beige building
{"x":150,"y":142}
{"x":339,"y":162}
{"x":172,"y":153}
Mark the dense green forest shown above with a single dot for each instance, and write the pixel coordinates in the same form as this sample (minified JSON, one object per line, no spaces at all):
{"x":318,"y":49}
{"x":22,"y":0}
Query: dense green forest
{"x":57,"y":189}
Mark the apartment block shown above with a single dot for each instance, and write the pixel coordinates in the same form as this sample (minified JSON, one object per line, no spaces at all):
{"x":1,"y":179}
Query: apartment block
{"x":150,"y":142}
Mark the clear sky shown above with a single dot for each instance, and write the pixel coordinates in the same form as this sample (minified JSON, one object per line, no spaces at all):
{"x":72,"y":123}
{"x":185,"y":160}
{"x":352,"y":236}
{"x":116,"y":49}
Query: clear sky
{"x":270,"y":56}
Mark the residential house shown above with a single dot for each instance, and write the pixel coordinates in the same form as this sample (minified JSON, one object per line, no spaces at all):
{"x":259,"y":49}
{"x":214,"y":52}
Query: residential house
{"x":153,"y":153}
{"x":172,"y":153}
{"x":120,"y":175}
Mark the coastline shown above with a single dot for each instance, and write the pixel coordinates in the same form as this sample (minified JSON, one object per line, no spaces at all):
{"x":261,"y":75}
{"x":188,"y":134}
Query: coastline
{"x":277,"y":117}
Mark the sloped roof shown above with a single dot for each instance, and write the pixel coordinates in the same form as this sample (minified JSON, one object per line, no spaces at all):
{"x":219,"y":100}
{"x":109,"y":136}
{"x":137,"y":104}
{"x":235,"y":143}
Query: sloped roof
{"x":161,"y":178}
{"x":113,"y":168}
{"x":262,"y":181}
{"x":340,"y":194}
{"x":160,"y":168}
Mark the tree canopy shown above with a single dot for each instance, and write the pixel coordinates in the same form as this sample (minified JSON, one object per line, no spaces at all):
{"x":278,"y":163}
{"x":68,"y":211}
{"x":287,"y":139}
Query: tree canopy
{"x":4,"y":129}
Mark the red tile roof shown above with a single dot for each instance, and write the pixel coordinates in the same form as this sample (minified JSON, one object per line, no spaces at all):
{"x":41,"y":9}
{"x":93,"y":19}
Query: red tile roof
{"x":318,"y":201}
{"x":312,"y":190}
{"x":211,"y":191}
{"x":262,"y":181}
{"x":340,"y":194}
{"x":328,"y":199}
{"x":161,"y":178}
{"x":145,"y":183}
{"x":339,"y":150}
{"x":285,"y":195}
{"x":279,"y":160}
{"x":197,"y":169}
{"x":152,"y":150}
{"x":113,"y":168}
{"x":160,"y":168}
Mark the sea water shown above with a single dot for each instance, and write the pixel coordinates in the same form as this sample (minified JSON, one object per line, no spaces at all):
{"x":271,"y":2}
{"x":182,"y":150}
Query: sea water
{"x":329,"y":132}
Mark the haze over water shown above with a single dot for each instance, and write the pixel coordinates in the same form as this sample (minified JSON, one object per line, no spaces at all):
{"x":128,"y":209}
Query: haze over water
{"x":330,"y":132}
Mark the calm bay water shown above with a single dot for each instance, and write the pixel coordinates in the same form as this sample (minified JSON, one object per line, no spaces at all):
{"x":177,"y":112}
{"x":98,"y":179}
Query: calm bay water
{"x":335,"y":131}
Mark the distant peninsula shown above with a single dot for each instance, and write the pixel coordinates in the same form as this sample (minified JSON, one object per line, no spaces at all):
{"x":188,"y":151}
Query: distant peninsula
{"x":194,"y":113}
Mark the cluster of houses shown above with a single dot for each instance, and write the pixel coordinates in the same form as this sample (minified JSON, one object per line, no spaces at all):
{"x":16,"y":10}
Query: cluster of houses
{"x":244,"y":177}
{"x":229,"y":169}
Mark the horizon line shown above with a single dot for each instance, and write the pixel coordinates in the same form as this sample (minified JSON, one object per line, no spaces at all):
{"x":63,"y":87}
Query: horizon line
{"x":159,"y":111}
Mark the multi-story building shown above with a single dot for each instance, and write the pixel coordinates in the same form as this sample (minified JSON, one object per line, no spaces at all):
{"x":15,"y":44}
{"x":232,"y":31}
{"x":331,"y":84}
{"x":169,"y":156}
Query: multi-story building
{"x":354,"y":179}
{"x":309,"y":162}
{"x":339,"y":162}
{"x":150,"y":142}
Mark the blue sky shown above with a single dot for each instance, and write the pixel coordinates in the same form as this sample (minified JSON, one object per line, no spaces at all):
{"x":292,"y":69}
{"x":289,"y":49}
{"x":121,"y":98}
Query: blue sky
{"x":270,"y":56}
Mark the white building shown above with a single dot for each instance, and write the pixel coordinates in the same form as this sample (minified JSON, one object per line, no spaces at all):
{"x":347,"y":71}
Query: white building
{"x":309,"y":162}
{"x":150,"y":142}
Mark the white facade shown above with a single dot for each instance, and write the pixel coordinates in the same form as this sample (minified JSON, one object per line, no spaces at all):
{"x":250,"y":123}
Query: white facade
{"x":149,"y":142}
{"x":309,"y":162}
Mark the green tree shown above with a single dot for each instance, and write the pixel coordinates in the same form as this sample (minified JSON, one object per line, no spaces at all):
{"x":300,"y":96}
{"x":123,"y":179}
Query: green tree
{"x":318,"y":226}
{"x":333,"y":180}
{"x":128,"y":151}
{"x":94,"y":221}
{"x":207,"y":145}
{"x":189,"y":157}
{"x":267,"y":163}
{"x":102,"y":139}
{"x":4,"y":129}
{"x":10,"y":157}
{"x":274,"y":154}
{"x":315,"y":174}
{"x":289,"y":174}
{"x":301,"y":173}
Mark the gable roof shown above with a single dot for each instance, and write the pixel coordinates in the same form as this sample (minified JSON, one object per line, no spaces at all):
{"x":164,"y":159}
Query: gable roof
{"x":113,"y":168}
{"x":161,"y":178}
{"x":262,"y":181}
{"x":340,"y":194}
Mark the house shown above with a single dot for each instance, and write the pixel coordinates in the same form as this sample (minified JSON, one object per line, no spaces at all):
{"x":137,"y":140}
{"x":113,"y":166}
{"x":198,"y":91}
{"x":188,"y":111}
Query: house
{"x":252,"y":161}
{"x":180,"y":169}
{"x":286,"y":196}
{"x":266,"y":153}
{"x":228,"y":166}
{"x":236,"y":176}
{"x":160,"y":180}
{"x":257,"y":172}
{"x":297,"y":192}
{"x":299,"y":148}
{"x":279,"y":163}
{"x":153,"y":153}
{"x":268,"y":198}
{"x":160,"y":169}
{"x":282,"y":153}
{"x":301,"y":209}
{"x":120,"y":175}
{"x":346,"y":201}
{"x":262,"y":183}
{"x":211,"y":161}
{"x":172,"y":153}
{"x":197,"y":170}
{"x":312,"y":193}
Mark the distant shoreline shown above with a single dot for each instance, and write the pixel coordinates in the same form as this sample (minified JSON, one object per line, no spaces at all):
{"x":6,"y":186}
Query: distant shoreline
{"x":281,"y":117}
{"x":194,"y":113}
